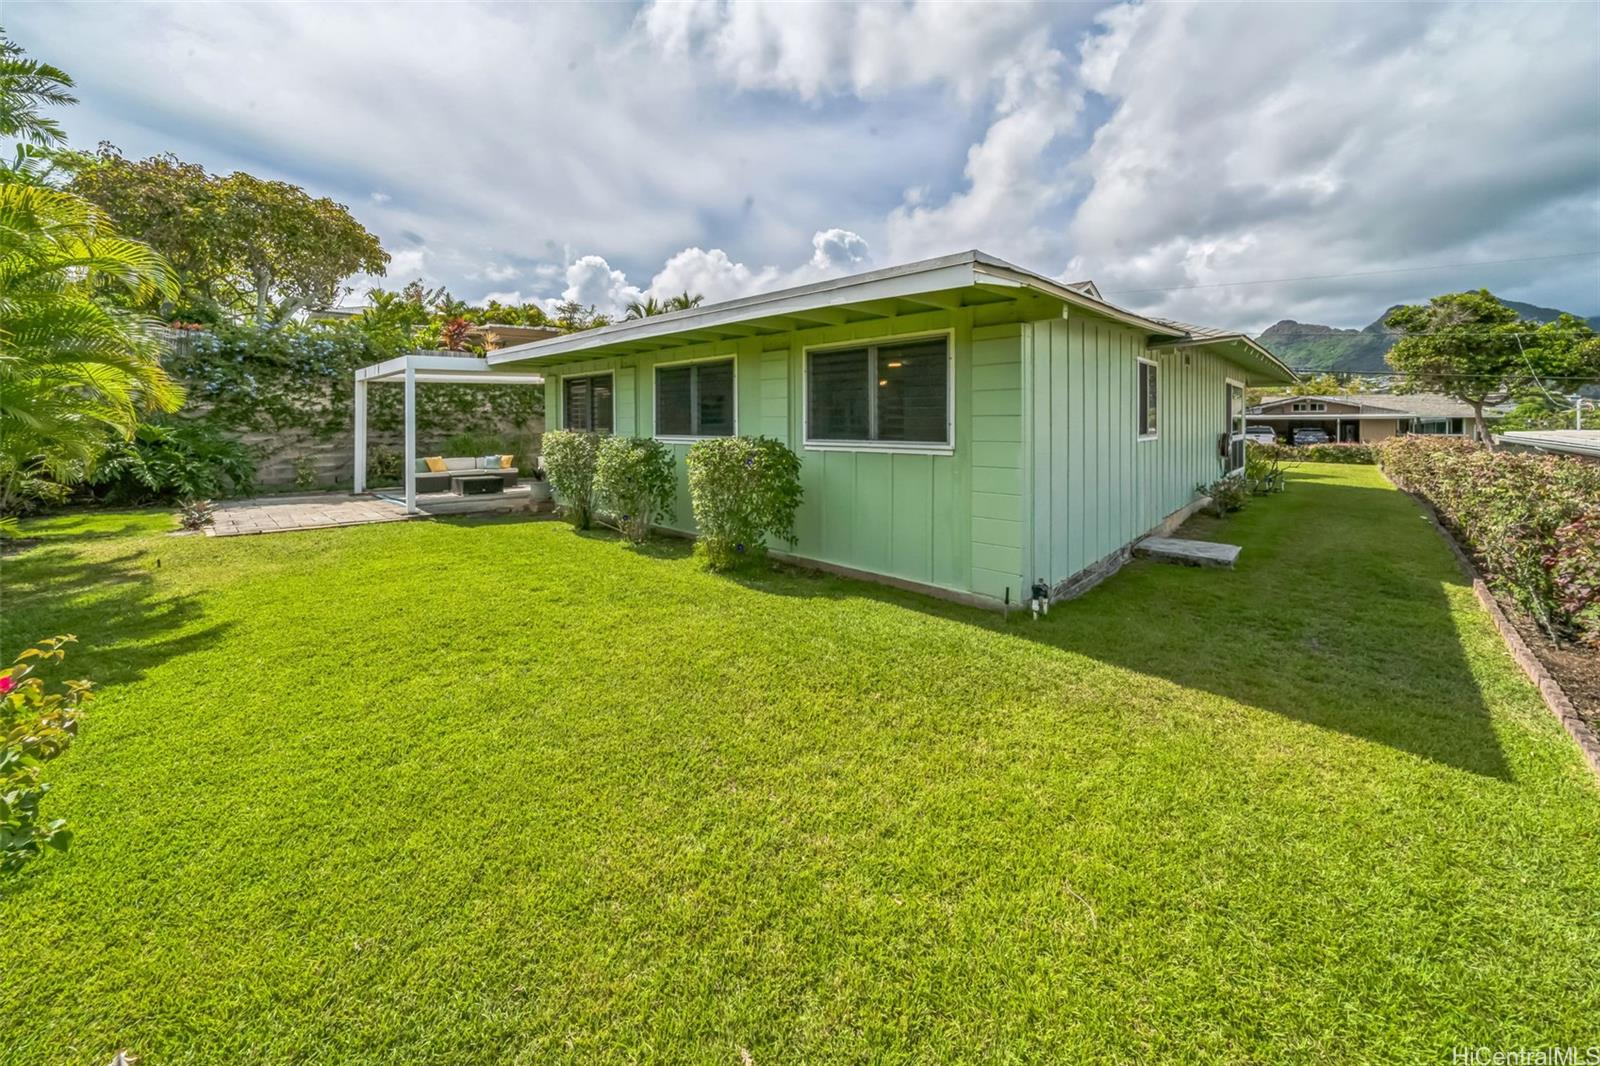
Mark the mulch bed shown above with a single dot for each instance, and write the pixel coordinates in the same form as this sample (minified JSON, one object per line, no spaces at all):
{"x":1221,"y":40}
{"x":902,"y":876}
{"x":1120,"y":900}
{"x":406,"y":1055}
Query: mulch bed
{"x":1576,"y":669}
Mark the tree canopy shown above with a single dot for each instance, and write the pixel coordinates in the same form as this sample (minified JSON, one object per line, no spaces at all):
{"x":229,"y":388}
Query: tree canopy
{"x":240,"y":244}
{"x":1471,"y":346}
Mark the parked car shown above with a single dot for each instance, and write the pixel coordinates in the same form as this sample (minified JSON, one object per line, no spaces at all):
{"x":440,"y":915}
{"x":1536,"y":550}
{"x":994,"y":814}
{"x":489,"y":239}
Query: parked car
{"x":1310,"y":435}
{"x":1260,"y":434}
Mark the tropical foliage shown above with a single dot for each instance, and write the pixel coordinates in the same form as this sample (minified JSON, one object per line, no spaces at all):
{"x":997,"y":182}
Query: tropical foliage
{"x":634,"y":484}
{"x":36,"y":725}
{"x":1529,"y":520}
{"x":26,"y":85}
{"x":241,"y":245}
{"x":745,"y":491}
{"x":1471,"y":346}
{"x":74,"y":370}
{"x":168,"y":460}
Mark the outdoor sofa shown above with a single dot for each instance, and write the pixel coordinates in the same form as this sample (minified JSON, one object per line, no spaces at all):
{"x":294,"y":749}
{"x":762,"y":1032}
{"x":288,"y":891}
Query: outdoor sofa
{"x":432,"y":481}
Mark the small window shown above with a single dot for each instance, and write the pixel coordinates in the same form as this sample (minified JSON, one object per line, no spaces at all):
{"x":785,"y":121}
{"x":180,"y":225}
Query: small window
{"x":1236,"y":408}
{"x":1309,"y":407}
{"x":586,"y":403}
{"x":695,"y":400}
{"x":1147,"y":399}
{"x":882,"y":393}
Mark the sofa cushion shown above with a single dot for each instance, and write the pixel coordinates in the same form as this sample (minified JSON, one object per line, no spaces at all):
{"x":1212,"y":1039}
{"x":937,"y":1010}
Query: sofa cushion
{"x":461,"y":464}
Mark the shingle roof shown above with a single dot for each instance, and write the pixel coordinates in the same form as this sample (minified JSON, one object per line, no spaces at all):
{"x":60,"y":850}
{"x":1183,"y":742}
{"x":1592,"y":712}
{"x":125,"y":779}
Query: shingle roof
{"x":1415,"y":404}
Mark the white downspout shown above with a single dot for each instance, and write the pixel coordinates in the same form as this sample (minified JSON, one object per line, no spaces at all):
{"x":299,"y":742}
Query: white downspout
{"x":359,"y":479}
{"x":411,"y":437}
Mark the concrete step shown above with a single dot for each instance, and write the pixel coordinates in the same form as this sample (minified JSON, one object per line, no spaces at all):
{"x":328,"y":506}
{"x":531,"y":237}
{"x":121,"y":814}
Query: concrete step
{"x":1187,"y":552}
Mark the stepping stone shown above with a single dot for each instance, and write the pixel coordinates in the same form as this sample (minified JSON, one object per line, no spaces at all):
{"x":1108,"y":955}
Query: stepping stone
{"x":1187,"y":552}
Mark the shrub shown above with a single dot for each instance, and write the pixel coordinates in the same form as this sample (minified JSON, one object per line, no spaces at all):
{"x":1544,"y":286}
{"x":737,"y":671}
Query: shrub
{"x":305,"y":471}
{"x":1227,"y":494}
{"x":477,"y":442}
{"x":634,"y":484}
{"x":1529,"y":520}
{"x":569,"y":462}
{"x":744,"y":490}
{"x":1263,"y":469}
{"x":167,"y":461}
{"x":1321,"y":453}
{"x":385,"y":466}
{"x":35,"y":727}
{"x":195,"y":515}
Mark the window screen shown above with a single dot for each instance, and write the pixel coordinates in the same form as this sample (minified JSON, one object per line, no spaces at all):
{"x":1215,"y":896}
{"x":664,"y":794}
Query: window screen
{"x":895,"y":393}
{"x":1147,"y":399}
{"x":586,"y":403}
{"x":839,"y":395}
{"x":695,"y":400}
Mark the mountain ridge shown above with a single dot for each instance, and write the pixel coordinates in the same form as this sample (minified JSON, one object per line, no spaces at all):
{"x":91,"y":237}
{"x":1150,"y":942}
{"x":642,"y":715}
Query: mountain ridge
{"x":1317,"y":348}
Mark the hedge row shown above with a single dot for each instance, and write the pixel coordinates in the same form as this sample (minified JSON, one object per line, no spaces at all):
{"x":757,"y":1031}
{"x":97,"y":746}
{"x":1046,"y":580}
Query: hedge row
{"x":1531,"y":521}
{"x":1319,"y":453}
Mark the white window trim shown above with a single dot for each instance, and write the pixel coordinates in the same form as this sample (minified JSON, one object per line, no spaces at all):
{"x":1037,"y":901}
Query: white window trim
{"x":885,"y":446}
{"x":1244,"y":417}
{"x":561,"y":391}
{"x":1138,"y":413}
{"x":655,"y":399}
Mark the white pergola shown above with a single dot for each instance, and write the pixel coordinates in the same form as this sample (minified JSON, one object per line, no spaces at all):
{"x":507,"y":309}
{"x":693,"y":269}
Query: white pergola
{"x":409,"y":370}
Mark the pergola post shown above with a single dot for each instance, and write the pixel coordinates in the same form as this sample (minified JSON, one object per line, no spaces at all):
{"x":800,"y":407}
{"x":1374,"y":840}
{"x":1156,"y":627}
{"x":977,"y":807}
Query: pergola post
{"x":411,"y":438}
{"x":360,"y":472}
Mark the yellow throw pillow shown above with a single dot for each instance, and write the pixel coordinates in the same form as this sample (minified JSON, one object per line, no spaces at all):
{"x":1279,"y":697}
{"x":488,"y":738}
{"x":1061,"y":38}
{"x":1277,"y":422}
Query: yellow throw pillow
{"x":505,"y":462}
{"x":436,"y":464}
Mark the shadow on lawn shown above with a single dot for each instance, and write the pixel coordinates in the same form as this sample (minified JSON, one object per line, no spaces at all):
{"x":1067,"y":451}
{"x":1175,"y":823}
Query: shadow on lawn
{"x":124,"y":623}
{"x":1337,"y":616}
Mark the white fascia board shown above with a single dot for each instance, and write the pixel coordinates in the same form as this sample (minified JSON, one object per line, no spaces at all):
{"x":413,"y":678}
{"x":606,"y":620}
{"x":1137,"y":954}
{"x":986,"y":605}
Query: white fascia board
{"x":938,"y":275}
{"x":444,"y":368}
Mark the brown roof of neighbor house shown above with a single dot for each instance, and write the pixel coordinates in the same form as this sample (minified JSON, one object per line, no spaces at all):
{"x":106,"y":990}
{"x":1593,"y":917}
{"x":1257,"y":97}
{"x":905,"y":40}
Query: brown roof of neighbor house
{"x":1402,"y":405}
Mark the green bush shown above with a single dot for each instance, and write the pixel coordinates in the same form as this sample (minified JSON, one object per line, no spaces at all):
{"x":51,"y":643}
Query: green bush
{"x":1228,"y":494}
{"x":35,"y":727}
{"x":569,"y":462}
{"x":744,"y":490}
{"x":634,"y":484}
{"x":1263,"y":469}
{"x":169,"y":461}
{"x":305,"y":471}
{"x":1531,"y":521}
{"x":1320,"y":453}
{"x":385,"y":466}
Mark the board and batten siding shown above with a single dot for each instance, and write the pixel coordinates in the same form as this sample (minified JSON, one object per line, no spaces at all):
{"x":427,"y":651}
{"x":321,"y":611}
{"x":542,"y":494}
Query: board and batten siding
{"x":1094,"y":485}
{"x":951,"y":521}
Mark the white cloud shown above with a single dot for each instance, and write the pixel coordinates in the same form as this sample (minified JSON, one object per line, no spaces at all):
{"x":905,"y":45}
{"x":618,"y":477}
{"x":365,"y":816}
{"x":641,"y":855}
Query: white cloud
{"x":713,"y":274}
{"x":702,"y":145}
{"x":1259,"y":142}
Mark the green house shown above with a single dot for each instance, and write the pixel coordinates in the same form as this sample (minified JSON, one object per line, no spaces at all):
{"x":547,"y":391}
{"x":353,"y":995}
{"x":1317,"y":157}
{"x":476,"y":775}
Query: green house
{"x":966,"y":427}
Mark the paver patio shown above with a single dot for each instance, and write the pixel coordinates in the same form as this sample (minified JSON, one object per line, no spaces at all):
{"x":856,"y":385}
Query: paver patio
{"x":282,"y":513}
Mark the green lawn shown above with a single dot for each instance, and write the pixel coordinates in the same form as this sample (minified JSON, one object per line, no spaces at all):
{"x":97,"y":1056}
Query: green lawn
{"x":492,"y":790}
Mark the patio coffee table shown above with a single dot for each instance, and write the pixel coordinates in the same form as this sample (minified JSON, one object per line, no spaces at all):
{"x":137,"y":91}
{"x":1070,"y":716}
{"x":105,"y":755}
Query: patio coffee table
{"x":477,"y":484}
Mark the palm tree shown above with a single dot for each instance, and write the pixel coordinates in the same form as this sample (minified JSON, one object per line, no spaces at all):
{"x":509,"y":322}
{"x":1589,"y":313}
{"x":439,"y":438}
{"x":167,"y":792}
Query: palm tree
{"x":73,"y":370}
{"x":645,"y":308}
{"x":683,"y":301}
{"x":25,"y":86}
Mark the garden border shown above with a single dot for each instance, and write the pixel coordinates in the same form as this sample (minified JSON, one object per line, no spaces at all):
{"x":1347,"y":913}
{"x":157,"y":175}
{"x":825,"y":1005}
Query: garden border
{"x":1550,"y":690}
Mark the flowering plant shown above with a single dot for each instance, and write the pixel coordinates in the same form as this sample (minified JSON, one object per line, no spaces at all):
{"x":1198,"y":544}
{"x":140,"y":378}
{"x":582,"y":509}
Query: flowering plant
{"x":35,"y":727}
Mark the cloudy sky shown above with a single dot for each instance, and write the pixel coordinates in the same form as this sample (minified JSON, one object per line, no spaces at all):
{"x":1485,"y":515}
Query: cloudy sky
{"x":1178,"y":155}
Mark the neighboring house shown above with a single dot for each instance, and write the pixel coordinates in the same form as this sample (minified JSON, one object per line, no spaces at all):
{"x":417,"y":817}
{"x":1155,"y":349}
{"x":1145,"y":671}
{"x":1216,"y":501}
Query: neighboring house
{"x":1365,"y":417}
{"x":965,"y":427}
{"x":1583,"y":443}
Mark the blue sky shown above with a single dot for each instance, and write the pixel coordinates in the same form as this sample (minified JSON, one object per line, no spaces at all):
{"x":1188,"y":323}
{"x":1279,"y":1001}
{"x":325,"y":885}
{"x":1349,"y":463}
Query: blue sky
{"x":1170,"y":152}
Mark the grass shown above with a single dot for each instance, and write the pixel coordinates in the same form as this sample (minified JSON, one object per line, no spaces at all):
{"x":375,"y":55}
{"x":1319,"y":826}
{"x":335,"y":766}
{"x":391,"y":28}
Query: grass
{"x":491,"y":790}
